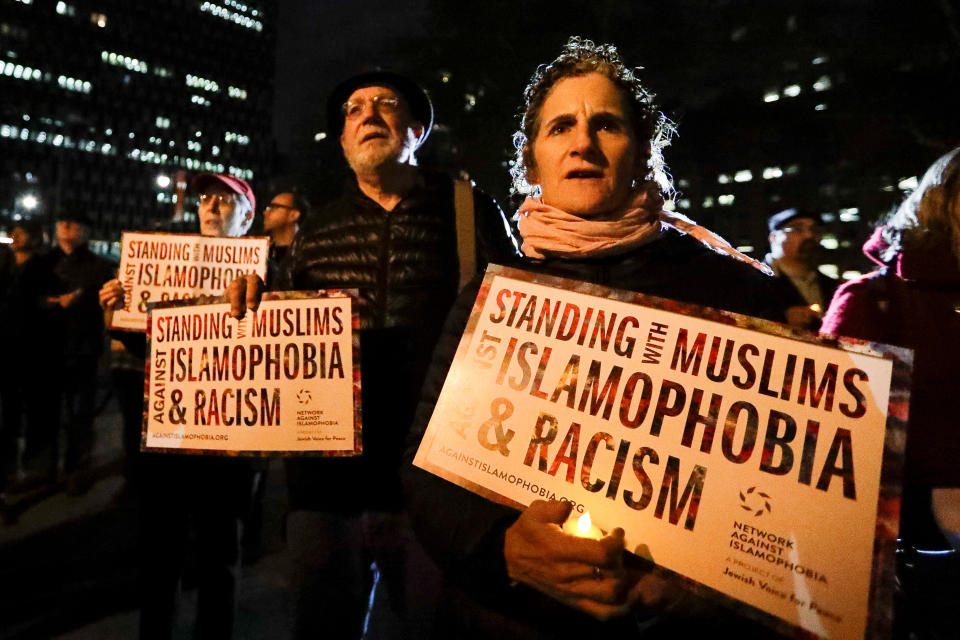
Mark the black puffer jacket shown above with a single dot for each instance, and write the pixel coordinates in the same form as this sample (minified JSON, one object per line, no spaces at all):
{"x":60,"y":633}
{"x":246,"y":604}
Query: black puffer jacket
{"x":404,"y":264}
{"x":464,"y":532}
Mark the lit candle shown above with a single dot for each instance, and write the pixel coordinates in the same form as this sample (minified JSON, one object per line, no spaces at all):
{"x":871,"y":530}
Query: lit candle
{"x":582,"y":527}
{"x":815,"y":307}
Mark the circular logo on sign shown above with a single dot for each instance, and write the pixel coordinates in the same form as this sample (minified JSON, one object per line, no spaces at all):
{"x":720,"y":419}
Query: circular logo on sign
{"x":303,"y":396}
{"x":756,"y":501}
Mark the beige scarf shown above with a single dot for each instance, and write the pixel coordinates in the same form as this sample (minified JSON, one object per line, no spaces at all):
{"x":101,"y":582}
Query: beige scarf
{"x":548,"y":231}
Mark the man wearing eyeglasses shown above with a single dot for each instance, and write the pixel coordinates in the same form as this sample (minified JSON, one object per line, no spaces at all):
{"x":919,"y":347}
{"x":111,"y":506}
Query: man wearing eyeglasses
{"x":393,"y":235}
{"x":804,"y":293}
{"x":281,"y":221}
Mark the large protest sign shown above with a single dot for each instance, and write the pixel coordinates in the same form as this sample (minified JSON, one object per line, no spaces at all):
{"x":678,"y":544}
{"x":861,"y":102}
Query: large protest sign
{"x":760,"y":463}
{"x":171,"y":266}
{"x":284,"y":380}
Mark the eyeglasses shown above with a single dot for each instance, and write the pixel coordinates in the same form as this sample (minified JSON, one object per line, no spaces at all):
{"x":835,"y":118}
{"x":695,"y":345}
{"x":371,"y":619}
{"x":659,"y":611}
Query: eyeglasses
{"x":800,"y":229}
{"x":220,"y":198}
{"x":278,"y":206}
{"x":354,"y":108}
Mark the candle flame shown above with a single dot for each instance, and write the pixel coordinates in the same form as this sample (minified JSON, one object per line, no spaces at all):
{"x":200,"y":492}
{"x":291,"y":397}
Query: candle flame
{"x":815,"y":307}
{"x":584,"y":523}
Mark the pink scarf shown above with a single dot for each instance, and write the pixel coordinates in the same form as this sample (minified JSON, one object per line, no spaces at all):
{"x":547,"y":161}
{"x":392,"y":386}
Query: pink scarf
{"x":548,"y":231}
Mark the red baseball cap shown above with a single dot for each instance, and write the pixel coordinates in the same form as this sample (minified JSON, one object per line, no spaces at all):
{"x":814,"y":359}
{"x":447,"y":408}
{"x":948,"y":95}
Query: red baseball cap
{"x":238,"y":185}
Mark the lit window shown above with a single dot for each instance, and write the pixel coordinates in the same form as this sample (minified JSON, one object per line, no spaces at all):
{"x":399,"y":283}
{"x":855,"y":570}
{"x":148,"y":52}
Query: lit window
{"x":99,"y":19}
{"x":119,"y":60}
{"x":820,"y":59}
{"x":850,"y":275}
{"x":745,"y":248}
{"x":820,"y":107}
{"x":237,"y":92}
{"x":793,"y":170}
{"x":723,"y":178}
{"x":708,"y":202}
{"x":771,"y":96}
{"x":822,"y":84}
{"x":163,"y":123}
{"x":684,"y":203}
{"x":908,"y":184}
{"x":769,"y":173}
{"x":828,"y":216}
{"x":829,"y":270}
{"x":791,"y":91}
{"x":725,"y":200}
{"x":202,"y":83}
{"x":743,"y":176}
{"x":850,"y":214}
{"x":829,"y":242}
{"x":320,"y":136}
{"x":235,"y":17}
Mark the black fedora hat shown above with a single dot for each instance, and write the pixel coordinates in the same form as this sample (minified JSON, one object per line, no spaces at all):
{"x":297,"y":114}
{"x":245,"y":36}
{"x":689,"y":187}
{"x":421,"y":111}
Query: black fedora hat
{"x":416,"y":96}
{"x":73,"y":212}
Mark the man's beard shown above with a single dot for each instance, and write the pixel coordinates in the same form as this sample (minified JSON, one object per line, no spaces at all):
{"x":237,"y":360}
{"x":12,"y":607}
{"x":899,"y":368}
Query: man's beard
{"x":373,"y":158}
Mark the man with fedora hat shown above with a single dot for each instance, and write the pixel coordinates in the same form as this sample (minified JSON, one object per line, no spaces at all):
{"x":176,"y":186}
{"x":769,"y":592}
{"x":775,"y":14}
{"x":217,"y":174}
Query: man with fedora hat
{"x":405,"y":238}
{"x":803,"y":292}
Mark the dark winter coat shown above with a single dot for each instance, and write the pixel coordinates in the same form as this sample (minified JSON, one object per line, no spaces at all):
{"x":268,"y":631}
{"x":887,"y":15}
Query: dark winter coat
{"x":404,"y":265}
{"x":80,"y":326}
{"x":913,"y":300}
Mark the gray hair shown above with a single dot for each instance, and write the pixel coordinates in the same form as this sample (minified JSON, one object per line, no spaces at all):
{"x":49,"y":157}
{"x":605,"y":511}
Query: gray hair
{"x":580,"y":57}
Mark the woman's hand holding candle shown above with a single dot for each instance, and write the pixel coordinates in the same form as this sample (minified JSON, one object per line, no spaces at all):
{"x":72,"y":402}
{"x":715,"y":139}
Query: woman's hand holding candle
{"x":582,"y":571}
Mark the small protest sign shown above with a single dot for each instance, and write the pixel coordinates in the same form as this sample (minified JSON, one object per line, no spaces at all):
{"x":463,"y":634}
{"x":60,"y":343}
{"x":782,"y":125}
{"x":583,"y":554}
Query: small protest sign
{"x":284,"y":380}
{"x":157,"y":267}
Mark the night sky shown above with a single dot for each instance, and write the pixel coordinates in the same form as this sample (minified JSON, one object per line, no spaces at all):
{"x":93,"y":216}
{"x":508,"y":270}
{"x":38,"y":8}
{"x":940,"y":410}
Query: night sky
{"x":708,"y":61}
{"x":319,"y":42}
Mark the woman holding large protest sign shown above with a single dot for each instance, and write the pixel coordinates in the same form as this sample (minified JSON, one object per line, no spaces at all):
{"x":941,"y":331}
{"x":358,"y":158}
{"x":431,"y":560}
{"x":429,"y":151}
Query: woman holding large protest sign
{"x":589,"y":159}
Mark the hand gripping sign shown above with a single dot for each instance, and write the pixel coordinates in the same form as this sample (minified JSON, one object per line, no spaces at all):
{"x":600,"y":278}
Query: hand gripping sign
{"x":155,"y":267}
{"x":285,"y":380}
{"x":757,"y":462}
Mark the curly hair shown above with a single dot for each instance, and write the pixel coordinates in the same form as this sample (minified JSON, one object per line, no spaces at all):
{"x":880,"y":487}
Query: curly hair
{"x":581,"y":57}
{"x":931,"y":213}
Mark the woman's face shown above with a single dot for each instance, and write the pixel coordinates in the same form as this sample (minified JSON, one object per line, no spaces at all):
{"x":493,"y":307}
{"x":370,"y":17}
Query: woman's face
{"x":585,"y":152}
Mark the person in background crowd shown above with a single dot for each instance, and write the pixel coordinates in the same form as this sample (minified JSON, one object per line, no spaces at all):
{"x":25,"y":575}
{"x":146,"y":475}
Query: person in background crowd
{"x":913,"y":300}
{"x":76,"y":273}
{"x":27,"y":409}
{"x":393,"y":235}
{"x":180,"y":494}
{"x":589,"y":158}
{"x":803,"y":292}
{"x":281,"y":221}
